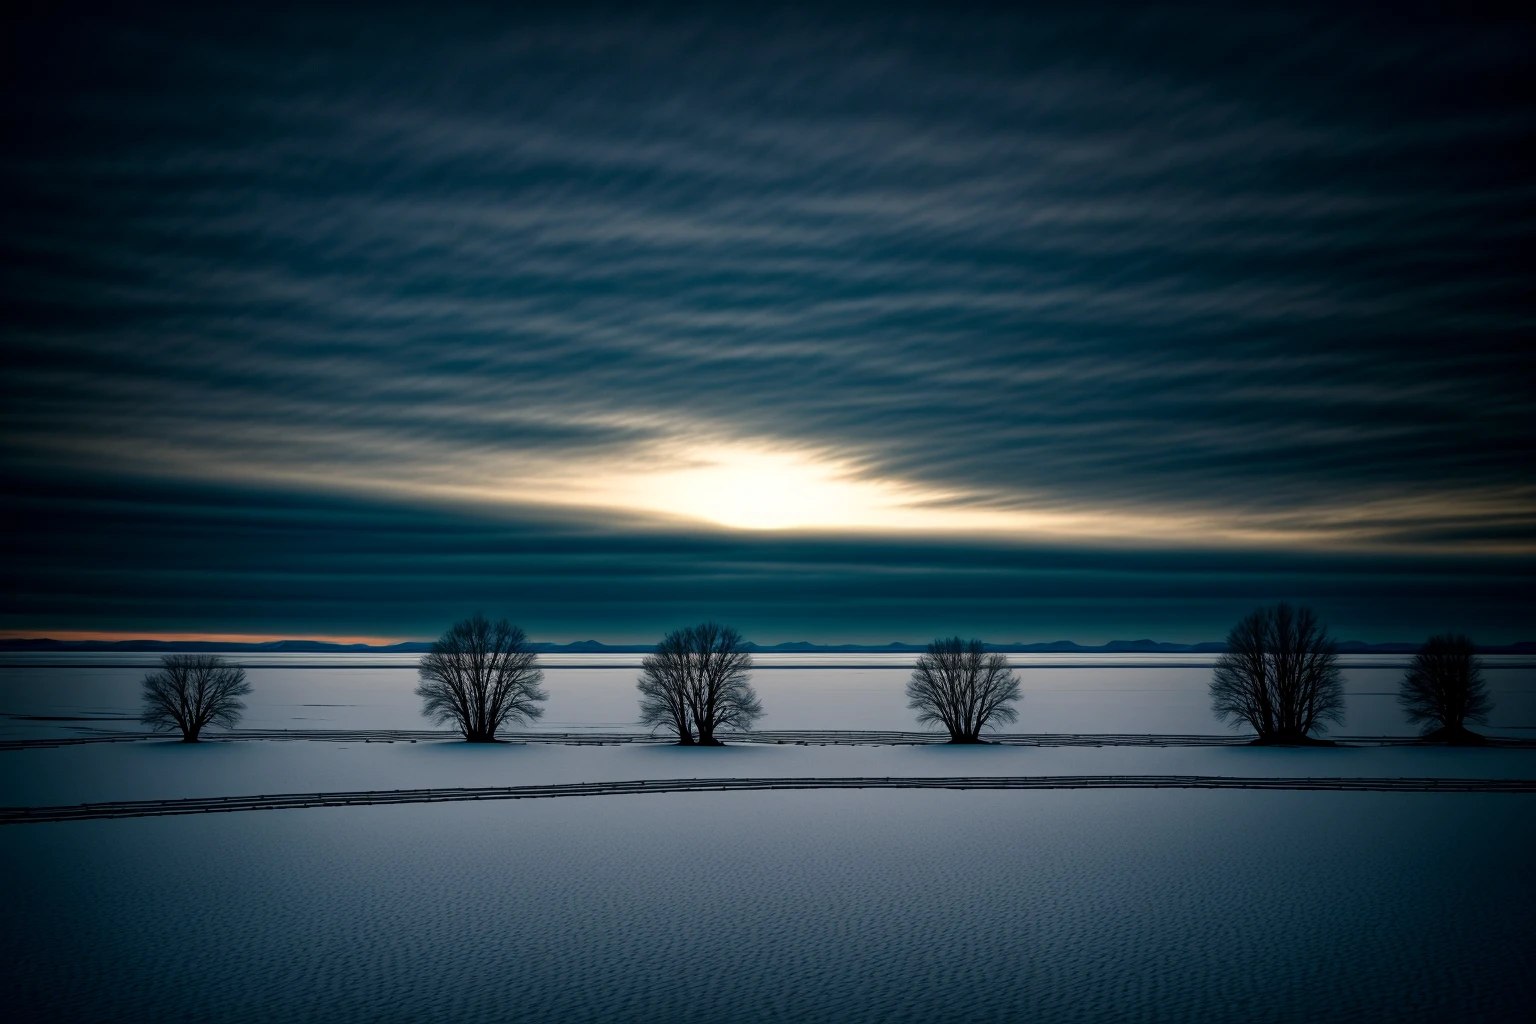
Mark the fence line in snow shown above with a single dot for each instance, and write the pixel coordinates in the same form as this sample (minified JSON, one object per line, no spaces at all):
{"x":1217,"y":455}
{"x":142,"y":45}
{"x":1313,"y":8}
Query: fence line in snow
{"x":294,"y":801}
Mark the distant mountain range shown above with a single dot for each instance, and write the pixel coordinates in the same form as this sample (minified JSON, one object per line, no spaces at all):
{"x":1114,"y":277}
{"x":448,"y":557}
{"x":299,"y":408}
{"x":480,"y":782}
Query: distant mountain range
{"x":597,"y":647}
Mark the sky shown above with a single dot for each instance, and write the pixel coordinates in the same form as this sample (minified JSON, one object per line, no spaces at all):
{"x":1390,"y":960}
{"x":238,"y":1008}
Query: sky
{"x":836,"y":325}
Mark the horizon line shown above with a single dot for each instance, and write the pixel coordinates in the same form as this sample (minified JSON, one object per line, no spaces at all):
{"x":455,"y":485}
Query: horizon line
{"x":110,"y":636}
{"x":95,"y":636}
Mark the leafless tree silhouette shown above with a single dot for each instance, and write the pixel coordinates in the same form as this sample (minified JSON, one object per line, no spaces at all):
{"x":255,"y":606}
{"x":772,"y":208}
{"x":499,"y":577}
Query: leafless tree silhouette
{"x":1444,"y":689}
{"x":191,"y":692}
{"x":697,"y":683}
{"x":958,"y":685}
{"x":665,"y":679}
{"x":480,"y":676}
{"x":1280,"y":675}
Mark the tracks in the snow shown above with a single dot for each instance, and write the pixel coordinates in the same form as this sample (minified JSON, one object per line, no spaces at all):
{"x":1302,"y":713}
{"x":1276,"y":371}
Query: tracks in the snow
{"x":293,"y":801}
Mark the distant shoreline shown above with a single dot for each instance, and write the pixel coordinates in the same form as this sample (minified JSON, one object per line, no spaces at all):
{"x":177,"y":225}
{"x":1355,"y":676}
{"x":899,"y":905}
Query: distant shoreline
{"x":43,"y":644}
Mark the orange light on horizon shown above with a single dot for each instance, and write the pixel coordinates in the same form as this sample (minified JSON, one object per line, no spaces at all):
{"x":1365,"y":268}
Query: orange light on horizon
{"x":226,"y":638}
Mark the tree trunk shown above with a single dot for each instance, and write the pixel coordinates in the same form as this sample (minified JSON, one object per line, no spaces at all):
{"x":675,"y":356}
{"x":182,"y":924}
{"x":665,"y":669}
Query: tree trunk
{"x":684,"y":734}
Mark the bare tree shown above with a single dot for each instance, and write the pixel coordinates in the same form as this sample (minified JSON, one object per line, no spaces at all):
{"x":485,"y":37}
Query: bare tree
{"x":1443,"y":689}
{"x":666,"y":677}
{"x":958,"y":685}
{"x":697,"y":683}
{"x":191,"y":692}
{"x":480,"y":676}
{"x":1280,"y":675}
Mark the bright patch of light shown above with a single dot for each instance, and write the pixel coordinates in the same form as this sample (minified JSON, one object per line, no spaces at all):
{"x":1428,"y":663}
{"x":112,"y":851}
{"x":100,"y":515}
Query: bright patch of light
{"x":766,"y":490}
{"x":764,"y":485}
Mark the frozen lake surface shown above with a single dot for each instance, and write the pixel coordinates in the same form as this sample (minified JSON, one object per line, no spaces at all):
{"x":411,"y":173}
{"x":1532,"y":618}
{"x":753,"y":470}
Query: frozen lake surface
{"x":842,"y":905}
{"x":59,"y":693}
{"x":824,"y":906}
{"x":167,"y":769}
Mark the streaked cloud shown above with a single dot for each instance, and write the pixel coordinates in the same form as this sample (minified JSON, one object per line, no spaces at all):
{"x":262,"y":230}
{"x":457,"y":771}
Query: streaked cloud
{"x":1188,"y":279}
{"x":123,"y":557}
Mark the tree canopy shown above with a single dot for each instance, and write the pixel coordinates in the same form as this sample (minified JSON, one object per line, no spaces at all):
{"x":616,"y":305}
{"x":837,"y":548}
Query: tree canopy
{"x":1444,"y":689}
{"x":1280,"y":675}
{"x":480,"y":675}
{"x":959,"y":685}
{"x":698,"y":682}
{"x":191,"y":692}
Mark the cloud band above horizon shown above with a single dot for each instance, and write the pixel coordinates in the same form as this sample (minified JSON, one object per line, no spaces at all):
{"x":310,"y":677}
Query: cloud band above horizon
{"x":1087,"y":324}
{"x":916,"y":274}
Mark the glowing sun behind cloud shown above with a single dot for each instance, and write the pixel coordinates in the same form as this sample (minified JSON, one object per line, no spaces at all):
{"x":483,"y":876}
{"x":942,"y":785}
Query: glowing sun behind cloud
{"x":747,"y":486}
{"x":758,"y":489}
{"x":769,"y":484}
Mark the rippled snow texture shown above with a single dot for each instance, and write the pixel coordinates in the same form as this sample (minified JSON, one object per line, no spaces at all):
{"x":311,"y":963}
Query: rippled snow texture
{"x":889,"y":907}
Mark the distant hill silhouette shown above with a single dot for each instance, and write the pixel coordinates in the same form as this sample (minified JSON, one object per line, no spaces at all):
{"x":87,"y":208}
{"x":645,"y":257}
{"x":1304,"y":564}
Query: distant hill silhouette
{"x":598,"y":647}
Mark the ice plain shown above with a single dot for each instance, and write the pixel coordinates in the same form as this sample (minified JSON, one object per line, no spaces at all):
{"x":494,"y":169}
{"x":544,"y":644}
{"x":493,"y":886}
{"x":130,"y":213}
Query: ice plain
{"x":1144,"y":693}
{"x":843,"y":905}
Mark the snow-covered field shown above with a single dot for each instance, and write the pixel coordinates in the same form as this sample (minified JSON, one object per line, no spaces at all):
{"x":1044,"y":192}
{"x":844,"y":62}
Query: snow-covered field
{"x":825,"y":906}
{"x":165,"y":769}
{"x":849,"y":905}
{"x":1077,"y":694}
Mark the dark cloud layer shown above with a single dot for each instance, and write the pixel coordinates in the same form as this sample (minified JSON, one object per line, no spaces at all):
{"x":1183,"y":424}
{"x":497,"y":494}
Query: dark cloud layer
{"x":1265,"y":268}
{"x":117,"y":556}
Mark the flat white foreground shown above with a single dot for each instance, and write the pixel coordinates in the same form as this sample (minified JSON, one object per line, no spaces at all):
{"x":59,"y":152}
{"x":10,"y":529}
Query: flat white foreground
{"x":166,"y":769}
{"x":808,"y":906}
{"x":854,"y":905}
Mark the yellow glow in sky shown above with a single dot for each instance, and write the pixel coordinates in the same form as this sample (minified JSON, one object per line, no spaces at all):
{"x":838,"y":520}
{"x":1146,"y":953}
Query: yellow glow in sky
{"x":760,"y":484}
{"x":757,"y":489}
